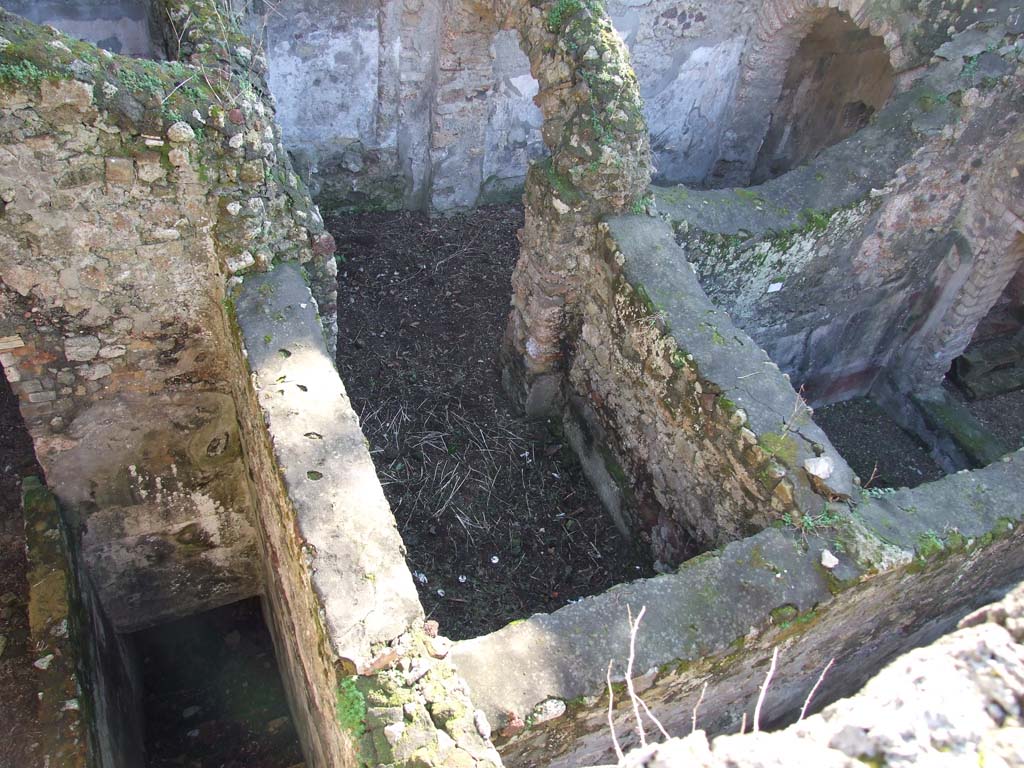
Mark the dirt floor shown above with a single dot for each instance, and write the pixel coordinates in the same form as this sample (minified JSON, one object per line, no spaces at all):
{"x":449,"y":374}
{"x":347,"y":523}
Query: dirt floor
{"x":18,"y":734}
{"x":878,"y":449}
{"x":497,"y":517}
{"x":212,"y":693}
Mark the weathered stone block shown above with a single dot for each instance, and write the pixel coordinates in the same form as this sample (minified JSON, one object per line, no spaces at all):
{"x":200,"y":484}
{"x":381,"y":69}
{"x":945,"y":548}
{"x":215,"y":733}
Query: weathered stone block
{"x":120,"y":171}
{"x":81,"y":348}
{"x":65,"y":93}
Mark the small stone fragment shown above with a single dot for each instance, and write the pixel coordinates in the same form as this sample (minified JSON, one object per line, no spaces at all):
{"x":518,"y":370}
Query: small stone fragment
{"x":439,"y":646}
{"x":393,"y":733}
{"x":513,"y":725}
{"x":431,"y":627}
{"x":828,"y":560}
{"x":483,"y":727}
{"x":45,"y":662}
{"x":820,"y":467}
{"x":548,"y":709}
{"x":81,"y":349}
{"x":419,"y":668}
{"x":181,"y":133}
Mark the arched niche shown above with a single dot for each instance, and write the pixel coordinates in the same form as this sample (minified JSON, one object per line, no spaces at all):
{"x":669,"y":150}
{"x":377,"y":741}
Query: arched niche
{"x":839,"y":76}
{"x":774,"y":64}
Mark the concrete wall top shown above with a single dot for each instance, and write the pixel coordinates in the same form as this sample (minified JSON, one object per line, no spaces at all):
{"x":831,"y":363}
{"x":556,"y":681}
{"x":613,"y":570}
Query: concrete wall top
{"x":350,"y":544}
{"x":119,"y":26}
{"x":909,"y":567}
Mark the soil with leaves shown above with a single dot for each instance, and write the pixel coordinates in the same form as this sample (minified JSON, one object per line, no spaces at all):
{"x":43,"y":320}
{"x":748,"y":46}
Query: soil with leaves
{"x":497,"y":518}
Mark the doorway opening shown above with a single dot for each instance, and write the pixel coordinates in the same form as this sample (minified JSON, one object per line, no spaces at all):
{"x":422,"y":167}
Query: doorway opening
{"x":212,"y":693}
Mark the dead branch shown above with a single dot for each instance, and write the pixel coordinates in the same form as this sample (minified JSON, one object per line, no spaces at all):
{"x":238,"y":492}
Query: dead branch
{"x":693,"y":722}
{"x":764,"y":690}
{"x":821,"y":677}
{"x":633,"y":626}
{"x":611,"y":722}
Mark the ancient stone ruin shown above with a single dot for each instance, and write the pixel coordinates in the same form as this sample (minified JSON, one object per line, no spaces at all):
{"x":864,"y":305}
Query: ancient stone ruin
{"x":744,"y":226}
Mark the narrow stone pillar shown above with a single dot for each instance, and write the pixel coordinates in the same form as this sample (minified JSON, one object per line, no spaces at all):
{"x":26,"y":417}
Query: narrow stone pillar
{"x":599,"y":165}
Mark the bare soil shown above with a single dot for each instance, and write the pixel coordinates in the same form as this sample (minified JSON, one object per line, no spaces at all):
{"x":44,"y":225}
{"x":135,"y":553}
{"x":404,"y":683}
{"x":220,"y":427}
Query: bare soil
{"x":876,"y":447}
{"x":18,"y":731}
{"x":496,"y":515}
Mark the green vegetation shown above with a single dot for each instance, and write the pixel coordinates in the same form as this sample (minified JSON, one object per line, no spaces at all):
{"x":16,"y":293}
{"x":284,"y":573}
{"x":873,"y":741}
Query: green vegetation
{"x":806,"y":523}
{"x":780,"y":446}
{"x":928,"y":544}
{"x":560,"y":184}
{"x":640,"y":205}
{"x":560,"y":13}
{"x":351,"y":707}
{"x":24,"y":73}
{"x":143,"y":81}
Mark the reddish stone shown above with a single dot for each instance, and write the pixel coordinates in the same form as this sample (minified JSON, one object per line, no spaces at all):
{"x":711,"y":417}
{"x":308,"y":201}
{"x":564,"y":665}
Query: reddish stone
{"x":513,"y":725}
{"x":323,"y":244}
{"x":235,"y":116}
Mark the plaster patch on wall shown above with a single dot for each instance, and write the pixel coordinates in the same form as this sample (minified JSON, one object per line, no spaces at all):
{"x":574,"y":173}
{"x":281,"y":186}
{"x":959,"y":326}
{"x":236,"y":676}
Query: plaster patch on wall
{"x":686,"y":115}
{"x":314,"y":76}
{"x":513,"y":136}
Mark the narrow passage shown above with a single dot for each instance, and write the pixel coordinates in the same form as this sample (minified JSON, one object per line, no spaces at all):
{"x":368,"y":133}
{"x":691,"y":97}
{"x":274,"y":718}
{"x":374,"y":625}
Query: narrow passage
{"x":496,"y":515}
{"x":212,"y":693}
{"x":18,"y":688}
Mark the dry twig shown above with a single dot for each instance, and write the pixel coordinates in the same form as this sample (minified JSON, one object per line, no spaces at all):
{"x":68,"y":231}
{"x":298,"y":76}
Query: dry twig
{"x":611,"y":722}
{"x":764,"y":690}
{"x":821,"y":677}
{"x":693,"y":722}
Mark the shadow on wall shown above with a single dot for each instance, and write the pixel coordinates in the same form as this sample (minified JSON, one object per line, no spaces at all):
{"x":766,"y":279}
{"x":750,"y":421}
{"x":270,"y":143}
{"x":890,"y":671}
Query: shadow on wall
{"x":838,"y":78}
{"x":119,"y":26}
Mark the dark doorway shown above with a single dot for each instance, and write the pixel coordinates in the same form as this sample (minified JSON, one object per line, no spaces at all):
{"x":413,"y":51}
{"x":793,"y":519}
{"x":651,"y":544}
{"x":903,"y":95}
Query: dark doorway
{"x":212,"y":693}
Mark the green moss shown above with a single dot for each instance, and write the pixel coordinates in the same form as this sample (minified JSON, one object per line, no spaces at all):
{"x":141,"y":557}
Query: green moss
{"x":928,"y":545}
{"x":560,"y":13}
{"x":817,"y":221}
{"x":781,"y":446}
{"x":140,"y":80}
{"x":784,"y":614}
{"x":677,"y":195}
{"x":24,"y":73}
{"x":560,"y":184}
{"x":350,"y":708}
{"x":749,"y":196}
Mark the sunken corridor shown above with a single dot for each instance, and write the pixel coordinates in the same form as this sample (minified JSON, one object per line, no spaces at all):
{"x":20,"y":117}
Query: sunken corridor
{"x":525,"y":383}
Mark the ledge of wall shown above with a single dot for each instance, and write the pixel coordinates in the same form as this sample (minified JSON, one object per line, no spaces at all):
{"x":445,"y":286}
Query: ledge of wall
{"x":893,"y":719}
{"x":337,"y":588}
{"x":703,"y":434}
{"x":909,"y":566}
